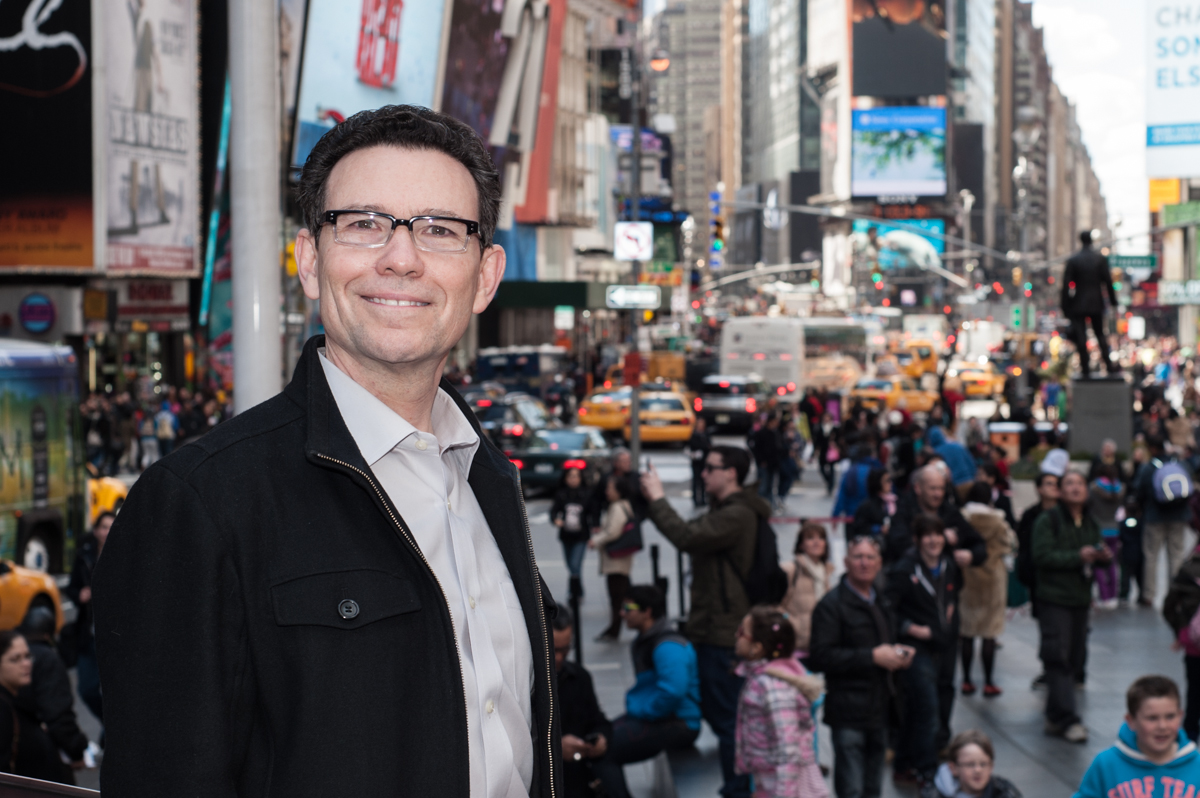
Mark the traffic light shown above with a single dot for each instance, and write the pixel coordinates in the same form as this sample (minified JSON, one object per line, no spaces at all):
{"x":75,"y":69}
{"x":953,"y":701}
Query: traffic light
{"x":1017,"y":316}
{"x":717,"y":234}
{"x":1016,"y":275}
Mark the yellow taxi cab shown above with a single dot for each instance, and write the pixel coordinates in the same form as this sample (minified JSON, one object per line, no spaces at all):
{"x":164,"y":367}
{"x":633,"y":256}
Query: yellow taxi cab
{"x":918,"y":358}
{"x":978,"y":379}
{"x":23,"y":588}
{"x":105,"y":494}
{"x":835,"y":373}
{"x":892,"y":393}
{"x":665,"y":418}
{"x":607,"y":410}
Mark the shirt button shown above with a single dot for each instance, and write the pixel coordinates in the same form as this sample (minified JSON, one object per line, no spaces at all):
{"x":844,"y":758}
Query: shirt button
{"x":471,"y":601}
{"x":490,"y":706}
{"x":422,"y":445}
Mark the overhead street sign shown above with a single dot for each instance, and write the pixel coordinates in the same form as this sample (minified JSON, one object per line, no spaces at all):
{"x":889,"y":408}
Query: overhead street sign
{"x":633,"y":241}
{"x":630,"y":297}
{"x":1133,"y":261}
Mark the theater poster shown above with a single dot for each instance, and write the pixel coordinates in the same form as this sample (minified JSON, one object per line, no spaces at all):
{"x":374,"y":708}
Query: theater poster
{"x":46,"y":187}
{"x":152,"y":165}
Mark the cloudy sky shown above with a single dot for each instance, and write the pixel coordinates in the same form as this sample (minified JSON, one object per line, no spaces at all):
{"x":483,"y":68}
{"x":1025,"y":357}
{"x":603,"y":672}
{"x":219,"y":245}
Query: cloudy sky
{"x":1098,"y":53}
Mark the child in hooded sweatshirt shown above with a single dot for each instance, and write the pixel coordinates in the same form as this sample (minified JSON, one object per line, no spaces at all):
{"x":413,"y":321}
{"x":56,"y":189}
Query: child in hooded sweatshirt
{"x":1152,"y":757}
{"x":774,"y":719}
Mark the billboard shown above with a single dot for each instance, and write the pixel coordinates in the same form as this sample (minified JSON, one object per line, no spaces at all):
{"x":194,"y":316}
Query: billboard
{"x":474,"y":58}
{"x":899,"y":48}
{"x":363,"y":55}
{"x":46,"y":189}
{"x":1173,"y":90}
{"x":152,"y":149}
{"x":898,"y":151}
{"x":888,"y":245}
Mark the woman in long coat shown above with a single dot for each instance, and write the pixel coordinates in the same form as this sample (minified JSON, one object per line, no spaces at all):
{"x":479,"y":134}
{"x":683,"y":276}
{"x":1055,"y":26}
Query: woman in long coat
{"x":985,"y":588}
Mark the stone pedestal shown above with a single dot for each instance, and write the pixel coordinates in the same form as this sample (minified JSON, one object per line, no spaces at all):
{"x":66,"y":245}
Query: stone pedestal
{"x":1100,"y":408}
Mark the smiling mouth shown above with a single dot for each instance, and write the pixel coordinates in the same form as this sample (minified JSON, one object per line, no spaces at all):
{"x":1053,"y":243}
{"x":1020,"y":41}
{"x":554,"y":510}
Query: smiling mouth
{"x":396,"y":303}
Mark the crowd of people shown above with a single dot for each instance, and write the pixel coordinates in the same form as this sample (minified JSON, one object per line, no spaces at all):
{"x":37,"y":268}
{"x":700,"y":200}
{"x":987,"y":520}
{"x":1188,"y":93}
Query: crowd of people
{"x":935,"y":558}
{"x":125,"y":433}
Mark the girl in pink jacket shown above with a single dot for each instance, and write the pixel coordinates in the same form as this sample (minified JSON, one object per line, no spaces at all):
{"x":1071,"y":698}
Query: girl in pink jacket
{"x":774,"y":720}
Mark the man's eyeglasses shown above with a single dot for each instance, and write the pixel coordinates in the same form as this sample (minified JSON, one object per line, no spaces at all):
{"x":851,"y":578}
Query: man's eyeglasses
{"x":712,"y":467}
{"x":371,"y":230}
{"x":629,"y":606}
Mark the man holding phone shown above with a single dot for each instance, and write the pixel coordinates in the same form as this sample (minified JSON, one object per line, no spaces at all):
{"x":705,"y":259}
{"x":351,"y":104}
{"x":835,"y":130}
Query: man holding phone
{"x":1066,"y":544}
{"x":854,"y":645}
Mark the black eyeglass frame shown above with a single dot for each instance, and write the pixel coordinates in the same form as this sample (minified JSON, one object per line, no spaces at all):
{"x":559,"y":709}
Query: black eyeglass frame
{"x":331,"y":217}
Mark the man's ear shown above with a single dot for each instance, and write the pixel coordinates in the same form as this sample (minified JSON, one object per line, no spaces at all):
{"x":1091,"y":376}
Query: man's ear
{"x":491,"y":272}
{"x":306,"y":263}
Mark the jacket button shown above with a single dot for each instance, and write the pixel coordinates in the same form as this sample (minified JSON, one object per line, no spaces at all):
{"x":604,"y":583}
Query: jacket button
{"x":348,"y":609}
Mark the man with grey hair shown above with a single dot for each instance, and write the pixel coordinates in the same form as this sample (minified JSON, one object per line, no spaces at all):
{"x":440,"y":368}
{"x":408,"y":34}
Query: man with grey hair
{"x":929,"y":485}
{"x":1106,"y":456}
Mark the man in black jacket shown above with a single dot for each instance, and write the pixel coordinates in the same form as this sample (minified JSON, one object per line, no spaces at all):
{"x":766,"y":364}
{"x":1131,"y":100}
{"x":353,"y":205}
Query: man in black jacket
{"x":923,"y":589}
{"x":931,"y":497}
{"x":1085,"y":280}
{"x":586,"y":731}
{"x":854,"y":645}
{"x":334,"y":593}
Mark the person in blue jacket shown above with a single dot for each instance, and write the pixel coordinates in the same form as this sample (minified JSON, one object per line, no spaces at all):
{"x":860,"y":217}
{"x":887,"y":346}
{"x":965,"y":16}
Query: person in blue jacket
{"x":1153,"y":758}
{"x":854,"y":488}
{"x":962,"y":464}
{"x":662,"y":709}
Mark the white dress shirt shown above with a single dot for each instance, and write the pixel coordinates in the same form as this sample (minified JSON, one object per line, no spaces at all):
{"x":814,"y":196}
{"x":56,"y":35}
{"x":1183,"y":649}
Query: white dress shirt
{"x":425,"y":476}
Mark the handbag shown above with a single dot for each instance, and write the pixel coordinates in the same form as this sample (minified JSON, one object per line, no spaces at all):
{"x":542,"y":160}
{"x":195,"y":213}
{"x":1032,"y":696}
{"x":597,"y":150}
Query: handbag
{"x":629,"y":542}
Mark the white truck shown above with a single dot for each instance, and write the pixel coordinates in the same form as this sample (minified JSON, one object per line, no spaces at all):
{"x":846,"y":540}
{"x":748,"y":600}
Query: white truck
{"x":771,"y":347}
{"x":931,"y":327}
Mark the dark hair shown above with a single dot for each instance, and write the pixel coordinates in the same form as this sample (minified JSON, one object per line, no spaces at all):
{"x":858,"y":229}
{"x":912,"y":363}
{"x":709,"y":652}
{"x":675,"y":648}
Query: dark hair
{"x":407,"y":127}
{"x":40,"y":621}
{"x":811,"y":529}
{"x":7,"y":638}
{"x":736,"y":458}
{"x":102,"y":516}
{"x":1043,"y":476}
{"x":770,"y":628}
{"x":1143,"y":690}
{"x":563,"y":620}
{"x":875,"y":481}
{"x":970,"y":737}
{"x":648,"y":597}
{"x":562,"y":479}
{"x":1085,"y":238}
{"x":1154,"y":443}
{"x":924,"y":525}
{"x":980,"y":492}
{"x":1107,"y":470}
{"x":623,"y":488}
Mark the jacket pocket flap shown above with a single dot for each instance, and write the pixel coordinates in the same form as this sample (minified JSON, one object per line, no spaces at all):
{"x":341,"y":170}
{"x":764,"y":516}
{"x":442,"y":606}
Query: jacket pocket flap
{"x":342,"y":599}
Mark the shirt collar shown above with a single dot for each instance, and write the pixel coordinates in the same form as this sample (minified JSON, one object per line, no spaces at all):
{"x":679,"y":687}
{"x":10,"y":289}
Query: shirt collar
{"x":377,"y":429}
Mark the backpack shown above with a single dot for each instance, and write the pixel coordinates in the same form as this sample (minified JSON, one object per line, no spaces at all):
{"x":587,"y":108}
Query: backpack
{"x":1172,"y":484}
{"x":1026,"y":570}
{"x":1183,"y":597}
{"x":765,"y":582}
{"x":163,"y":426}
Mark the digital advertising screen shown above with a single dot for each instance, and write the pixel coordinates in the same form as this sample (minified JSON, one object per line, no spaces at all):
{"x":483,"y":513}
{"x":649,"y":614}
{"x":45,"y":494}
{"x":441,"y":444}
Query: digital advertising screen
{"x":899,"y":48}
{"x":898,"y":151}
{"x":899,"y":244}
{"x":362,"y":55}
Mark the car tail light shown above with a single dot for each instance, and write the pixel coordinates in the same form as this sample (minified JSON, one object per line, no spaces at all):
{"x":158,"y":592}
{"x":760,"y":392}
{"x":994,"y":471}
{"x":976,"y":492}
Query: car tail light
{"x":781,"y":390}
{"x":608,"y":383}
{"x":520,"y":464}
{"x":580,"y":464}
{"x":625,"y":410}
{"x":724,"y":383}
{"x":785,"y":356}
{"x":697,"y":404}
{"x":732,"y":356}
{"x":751,"y":405}
{"x":484,"y":403}
{"x":518,"y":430}
{"x":583,"y":411}
{"x":791,"y":386}
{"x":759,"y":356}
